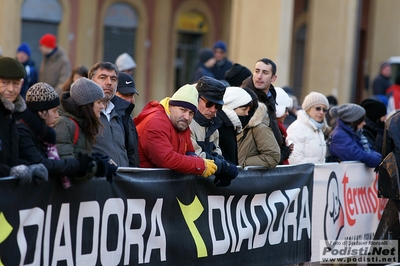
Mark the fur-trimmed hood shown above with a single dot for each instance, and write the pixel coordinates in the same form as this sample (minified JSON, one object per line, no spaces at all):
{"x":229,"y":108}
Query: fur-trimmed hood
{"x":14,"y":107}
{"x":258,"y":116}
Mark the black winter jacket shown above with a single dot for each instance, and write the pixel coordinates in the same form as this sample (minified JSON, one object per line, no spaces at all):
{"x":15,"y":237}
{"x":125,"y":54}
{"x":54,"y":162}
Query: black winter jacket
{"x":9,"y":114}
{"x":33,"y":150}
{"x":124,"y":110}
{"x":227,"y":138}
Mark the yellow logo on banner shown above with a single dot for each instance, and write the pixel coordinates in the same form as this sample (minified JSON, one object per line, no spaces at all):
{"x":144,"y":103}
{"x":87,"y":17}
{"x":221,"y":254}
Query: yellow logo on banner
{"x":5,"y":230}
{"x":191,"y":213}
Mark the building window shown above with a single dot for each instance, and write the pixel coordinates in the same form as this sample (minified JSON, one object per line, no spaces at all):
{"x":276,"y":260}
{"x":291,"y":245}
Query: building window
{"x":120,"y":27}
{"x":39,"y":17}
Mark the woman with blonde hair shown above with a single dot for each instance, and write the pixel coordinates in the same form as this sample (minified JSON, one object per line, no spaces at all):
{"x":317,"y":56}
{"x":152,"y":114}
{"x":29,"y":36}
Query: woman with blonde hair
{"x":307,"y":132}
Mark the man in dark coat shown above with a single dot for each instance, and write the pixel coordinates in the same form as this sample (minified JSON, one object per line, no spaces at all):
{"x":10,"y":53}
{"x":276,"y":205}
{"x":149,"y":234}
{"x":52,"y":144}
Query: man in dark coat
{"x":260,"y":82}
{"x":124,"y":105}
{"x":113,"y":140}
{"x":12,"y":105}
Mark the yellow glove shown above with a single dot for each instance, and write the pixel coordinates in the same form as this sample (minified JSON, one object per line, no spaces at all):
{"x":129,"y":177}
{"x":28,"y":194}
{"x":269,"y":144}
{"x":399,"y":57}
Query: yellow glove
{"x":211,"y":167}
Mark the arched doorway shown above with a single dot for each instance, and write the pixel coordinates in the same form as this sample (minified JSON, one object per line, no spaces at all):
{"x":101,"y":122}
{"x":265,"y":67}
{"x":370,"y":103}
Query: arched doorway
{"x":191,"y":28}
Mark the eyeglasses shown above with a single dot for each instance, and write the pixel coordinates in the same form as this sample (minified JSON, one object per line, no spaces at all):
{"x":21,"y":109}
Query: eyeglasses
{"x":211,"y":104}
{"x":319,"y":109}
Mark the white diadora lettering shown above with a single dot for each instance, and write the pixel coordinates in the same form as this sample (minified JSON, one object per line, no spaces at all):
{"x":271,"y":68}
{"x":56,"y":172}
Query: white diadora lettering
{"x":259,"y":220}
{"x":276,"y":213}
{"x":94,"y":241}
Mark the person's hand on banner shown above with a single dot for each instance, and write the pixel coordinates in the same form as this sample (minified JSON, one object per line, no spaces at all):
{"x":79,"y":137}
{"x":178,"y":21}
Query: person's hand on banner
{"x":106,"y":167}
{"x":210,"y":169}
{"x":23,"y":173}
{"x":39,"y":173}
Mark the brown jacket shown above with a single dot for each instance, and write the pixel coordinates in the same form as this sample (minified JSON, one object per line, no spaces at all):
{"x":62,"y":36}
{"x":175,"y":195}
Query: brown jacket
{"x":257,"y":145}
{"x":55,"y":69}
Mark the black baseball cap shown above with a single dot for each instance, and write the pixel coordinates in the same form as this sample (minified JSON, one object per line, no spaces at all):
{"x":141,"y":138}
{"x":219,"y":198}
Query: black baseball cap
{"x":126,"y":84}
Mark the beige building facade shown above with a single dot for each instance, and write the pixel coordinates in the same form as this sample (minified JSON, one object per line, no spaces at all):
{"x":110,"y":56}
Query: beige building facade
{"x":333,"y":47}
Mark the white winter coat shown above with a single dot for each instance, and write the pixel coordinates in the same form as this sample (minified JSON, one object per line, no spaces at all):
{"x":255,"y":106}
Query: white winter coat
{"x":309,"y":142}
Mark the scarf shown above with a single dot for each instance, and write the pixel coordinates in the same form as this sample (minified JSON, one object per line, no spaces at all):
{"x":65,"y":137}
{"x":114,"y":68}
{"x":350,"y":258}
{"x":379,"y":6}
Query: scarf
{"x":363,"y":140}
{"x":233,"y":117}
{"x":319,"y":125}
{"x":52,"y":153}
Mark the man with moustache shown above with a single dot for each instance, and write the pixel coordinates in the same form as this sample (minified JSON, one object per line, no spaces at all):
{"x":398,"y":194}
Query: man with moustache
{"x":260,"y":82}
{"x":164,"y":134}
{"x":111,"y":140}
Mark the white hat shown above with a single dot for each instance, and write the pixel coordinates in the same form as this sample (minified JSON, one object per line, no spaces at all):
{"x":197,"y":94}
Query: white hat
{"x":235,"y":97}
{"x":283,"y":101}
{"x":314,"y":98}
{"x":186,"y":96}
{"x":124,"y":62}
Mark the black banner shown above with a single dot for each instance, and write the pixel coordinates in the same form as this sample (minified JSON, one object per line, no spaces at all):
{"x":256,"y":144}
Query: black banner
{"x":160,"y":218}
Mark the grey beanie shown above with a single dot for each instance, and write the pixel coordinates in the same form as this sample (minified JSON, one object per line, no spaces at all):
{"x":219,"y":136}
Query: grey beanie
{"x":85,"y":91}
{"x":41,"y":96}
{"x":348,"y":112}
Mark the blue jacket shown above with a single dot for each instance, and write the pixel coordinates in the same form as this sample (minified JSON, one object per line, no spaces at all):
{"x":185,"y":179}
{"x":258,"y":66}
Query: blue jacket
{"x":30,"y":78}
{"x":346,"y":146}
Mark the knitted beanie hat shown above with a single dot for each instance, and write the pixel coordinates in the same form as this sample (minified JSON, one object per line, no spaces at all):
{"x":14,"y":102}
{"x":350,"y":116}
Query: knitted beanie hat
{"x":10,"y":68}
{"x":124,"y":62}
{"x":48,"y":40}
{"x":314,"y":98}
{"x":235,"y":97}
{"x":348,"y":112}
{"x":85,"y":91}
{"x":283,"y":101}
{"x":237,"y":74}
{"x":205,"y":54}
{"x":41,"y":96}
{"x":374,"y":109}
{"x":187,"y":96}
{"x":220,"y":45}
{"x":24,"y":47}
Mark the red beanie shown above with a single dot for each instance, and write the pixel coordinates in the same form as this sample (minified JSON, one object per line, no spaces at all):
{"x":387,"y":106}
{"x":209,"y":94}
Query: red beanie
{"x":48,"y":40}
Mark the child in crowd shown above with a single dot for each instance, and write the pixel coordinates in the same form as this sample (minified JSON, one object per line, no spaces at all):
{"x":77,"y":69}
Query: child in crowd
{"x":37,"y":138}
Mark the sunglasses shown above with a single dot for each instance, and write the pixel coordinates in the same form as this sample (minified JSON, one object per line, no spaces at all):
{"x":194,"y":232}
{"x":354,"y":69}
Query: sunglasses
{"x":319,"y":109}
{"x":211,"y":104}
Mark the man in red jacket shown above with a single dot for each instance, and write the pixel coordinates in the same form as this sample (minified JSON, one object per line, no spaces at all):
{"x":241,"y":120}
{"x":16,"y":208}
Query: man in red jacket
{"x":164,"y":134}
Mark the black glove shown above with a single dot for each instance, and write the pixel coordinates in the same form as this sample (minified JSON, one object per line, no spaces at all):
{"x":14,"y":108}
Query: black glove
{"x":219,"y":163}
{"x":104,"y":168}
{"x":39,"y":173}
{"x":216,"y":155}
{"x":285,"y":153}
{"x":222,"y":180}
{"x":227,"y":173}
{"x":23,"y":173}
{"x":86,"y":164}
{"x":99,"y":156}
